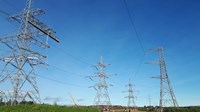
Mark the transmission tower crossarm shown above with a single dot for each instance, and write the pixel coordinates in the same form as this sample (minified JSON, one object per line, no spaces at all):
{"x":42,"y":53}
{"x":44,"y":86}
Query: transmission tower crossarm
{"x":36,"y":54}
{"x":36,"y":23}
{"x":43,"y":28}
{"x":33,"y":61}
{"x":17,"y":17}
{"x":89,"y":77}
{"x":95,"y":66}
{"x":9,"y":39}
{"x":5,"y":40}
{"x":153,"y":63}
{"x":129,"y":97}
{"x":41,"y":44}
{"x":156,"y":77}
{"x":154,"y":48}
{"x":93,"y":87}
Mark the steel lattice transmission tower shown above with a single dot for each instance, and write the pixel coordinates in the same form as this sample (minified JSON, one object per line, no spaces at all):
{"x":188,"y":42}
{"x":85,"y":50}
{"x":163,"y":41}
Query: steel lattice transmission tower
{"x":130,"y":97}
{"x":102,"y":99}
{"x":22,"y":58}
{"x":167,"y":96}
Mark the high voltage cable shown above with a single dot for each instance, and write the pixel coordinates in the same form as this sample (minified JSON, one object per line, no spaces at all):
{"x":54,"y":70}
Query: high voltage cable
{"x":133,"y":25}
{"x":138,"y":38}
{"x":5,"y":13}
{"x":63,"y":70}
{"x":139,"y":65}
{"x":61,"y":82}
{"x":69,"y":54}
{"x":10,"y":4}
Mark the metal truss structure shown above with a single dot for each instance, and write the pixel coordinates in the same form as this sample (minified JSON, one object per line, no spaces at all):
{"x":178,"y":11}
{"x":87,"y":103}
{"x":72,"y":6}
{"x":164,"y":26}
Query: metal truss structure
{"x":167,"y":96}
{"x":22,"y":58}
{"x":102,"y":99}
{"x":130,"y":97}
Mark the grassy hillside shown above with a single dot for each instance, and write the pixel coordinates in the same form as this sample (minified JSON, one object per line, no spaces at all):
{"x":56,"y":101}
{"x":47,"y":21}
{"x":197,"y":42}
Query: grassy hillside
{"x":45,"y":108}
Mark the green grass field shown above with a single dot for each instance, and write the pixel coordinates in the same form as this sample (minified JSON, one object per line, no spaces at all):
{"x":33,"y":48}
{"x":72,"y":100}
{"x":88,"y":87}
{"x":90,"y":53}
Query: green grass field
{"x":53,"y":108}
{"x":45,"y":108}
{"x":183,"y":110}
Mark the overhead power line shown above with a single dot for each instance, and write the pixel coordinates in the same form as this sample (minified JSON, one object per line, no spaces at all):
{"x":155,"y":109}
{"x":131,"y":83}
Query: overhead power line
{"x":69,"y":54}
{"x":138,"y":38}
{"x":133,"y":25}
{"x":5,"y":13}
{"x":139,"y":65}
{"x":63,"y":70}
{"x":61,"y":82}
{"x":11,"y":4}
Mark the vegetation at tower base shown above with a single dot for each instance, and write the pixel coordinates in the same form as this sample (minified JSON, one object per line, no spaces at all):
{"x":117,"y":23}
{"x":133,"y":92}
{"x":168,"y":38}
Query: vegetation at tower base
{"x":171,"y":109}
{"x":183,"y":109}
{"x":45,"y":108}
{"x":54,"y":108}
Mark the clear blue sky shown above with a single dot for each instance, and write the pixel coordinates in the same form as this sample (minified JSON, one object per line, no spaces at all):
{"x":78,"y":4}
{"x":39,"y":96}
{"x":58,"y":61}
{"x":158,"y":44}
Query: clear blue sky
{"x":91,"y":28}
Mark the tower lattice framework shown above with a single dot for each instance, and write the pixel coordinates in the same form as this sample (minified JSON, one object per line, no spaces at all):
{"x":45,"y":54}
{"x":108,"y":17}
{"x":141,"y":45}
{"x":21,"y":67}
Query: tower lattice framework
{"x":130,"y":97}
{"x":102,"y":99}
{"x":167,"y":96}
{"x":23,"y":57}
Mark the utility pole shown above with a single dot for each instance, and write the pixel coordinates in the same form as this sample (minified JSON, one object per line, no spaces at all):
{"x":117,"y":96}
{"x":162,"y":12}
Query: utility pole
{"x":22,"y":59}
{"x":167,"y":96}
{"x":130,"y":97}
{"x":102,"y":99}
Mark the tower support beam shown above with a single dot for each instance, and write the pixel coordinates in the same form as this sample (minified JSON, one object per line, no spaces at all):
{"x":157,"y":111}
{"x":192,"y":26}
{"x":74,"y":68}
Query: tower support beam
{"x":23,"y":57}
{"x":167,"y":96}
{"x":130,"y":97}
{"x":102,"y":99}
